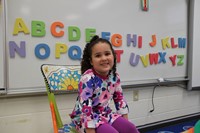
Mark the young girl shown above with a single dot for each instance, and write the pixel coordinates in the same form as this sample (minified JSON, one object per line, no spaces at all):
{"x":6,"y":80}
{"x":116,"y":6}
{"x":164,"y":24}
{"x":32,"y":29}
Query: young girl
{"x":98,"y":86}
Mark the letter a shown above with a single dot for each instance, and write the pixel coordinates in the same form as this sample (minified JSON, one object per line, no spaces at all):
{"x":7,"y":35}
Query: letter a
{"x":20,"y":27}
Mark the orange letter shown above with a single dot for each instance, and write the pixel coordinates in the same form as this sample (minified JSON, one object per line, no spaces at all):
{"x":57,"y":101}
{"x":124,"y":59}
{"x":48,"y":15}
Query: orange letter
{"x":153,"y":43}
{"x":118,"y":42}
{"x":53,"y":29}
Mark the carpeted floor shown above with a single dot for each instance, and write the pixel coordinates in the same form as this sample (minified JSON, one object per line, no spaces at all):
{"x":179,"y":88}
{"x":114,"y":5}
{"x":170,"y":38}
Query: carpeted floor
{"x":177,"y":128}
{"x":172,"y":127}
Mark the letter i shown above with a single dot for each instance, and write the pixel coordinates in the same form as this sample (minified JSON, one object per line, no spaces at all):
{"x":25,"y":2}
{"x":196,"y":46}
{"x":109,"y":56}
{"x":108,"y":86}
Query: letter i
{"x":139,"y":41}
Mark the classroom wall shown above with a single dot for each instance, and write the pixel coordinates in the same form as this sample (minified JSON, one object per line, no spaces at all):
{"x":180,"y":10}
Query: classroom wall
{"x":31,"y":114}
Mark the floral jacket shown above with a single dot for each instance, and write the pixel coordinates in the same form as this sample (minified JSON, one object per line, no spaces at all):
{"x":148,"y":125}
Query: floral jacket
{"x":92,"y":107}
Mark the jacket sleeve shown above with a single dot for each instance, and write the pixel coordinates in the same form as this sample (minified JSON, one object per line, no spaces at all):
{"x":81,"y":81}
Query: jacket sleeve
{"x":85,"y":95}
{"x":118,"y":97}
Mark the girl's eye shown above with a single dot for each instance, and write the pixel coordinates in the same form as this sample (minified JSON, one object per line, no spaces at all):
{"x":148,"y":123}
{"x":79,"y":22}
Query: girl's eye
{"x":97,"y":55}
{"x":108,"y":54}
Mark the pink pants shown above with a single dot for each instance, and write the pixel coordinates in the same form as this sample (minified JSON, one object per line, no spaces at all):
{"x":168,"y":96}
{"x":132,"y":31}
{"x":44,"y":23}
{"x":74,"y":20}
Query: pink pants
{"x":120,"y":125}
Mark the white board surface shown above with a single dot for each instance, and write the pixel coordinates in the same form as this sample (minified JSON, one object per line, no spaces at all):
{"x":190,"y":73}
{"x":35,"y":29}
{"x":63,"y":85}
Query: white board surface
{"x":165,"y":18}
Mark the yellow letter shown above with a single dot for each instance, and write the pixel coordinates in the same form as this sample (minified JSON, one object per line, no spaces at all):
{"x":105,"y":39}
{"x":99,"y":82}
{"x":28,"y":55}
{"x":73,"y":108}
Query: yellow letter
{"x":20,"y":27}
{"x":145,"y":60}
{"x":60,"y":48}
{"x":165,"y":43}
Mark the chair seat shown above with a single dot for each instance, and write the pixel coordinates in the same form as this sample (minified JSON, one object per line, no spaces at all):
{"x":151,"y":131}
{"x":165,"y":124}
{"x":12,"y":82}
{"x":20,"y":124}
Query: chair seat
{"x":68,"y":128}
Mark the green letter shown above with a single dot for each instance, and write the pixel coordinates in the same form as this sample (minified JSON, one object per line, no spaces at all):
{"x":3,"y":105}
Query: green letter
{"x":38,"y":28}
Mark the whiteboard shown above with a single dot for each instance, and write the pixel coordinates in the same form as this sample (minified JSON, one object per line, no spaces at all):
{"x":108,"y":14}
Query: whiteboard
{"x":2,"y":85}
{"x":164,"y":19}
{"x":194,"y":73}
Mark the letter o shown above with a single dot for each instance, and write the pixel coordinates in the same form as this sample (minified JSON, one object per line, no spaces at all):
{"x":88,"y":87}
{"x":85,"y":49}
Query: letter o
{"x":46,"y":49}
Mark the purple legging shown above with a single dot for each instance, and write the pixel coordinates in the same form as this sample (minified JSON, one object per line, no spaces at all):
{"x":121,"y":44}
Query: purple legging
{"x":120,"y":125}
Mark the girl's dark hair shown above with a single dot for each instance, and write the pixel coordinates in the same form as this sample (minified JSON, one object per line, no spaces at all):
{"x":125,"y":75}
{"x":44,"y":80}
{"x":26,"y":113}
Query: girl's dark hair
{"x":87,"y":53}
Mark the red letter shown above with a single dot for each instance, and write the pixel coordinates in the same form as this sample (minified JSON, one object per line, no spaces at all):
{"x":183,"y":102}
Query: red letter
{"x":118,"y":53}
{"x":173,"y":60}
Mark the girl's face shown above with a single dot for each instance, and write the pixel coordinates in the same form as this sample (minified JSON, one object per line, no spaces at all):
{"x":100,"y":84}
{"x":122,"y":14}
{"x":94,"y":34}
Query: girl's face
{"x":102,"y":58}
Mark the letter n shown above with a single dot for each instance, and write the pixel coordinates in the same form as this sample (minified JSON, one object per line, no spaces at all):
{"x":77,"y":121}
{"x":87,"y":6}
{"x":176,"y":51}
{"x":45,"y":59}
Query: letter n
{"x":14,"y":48}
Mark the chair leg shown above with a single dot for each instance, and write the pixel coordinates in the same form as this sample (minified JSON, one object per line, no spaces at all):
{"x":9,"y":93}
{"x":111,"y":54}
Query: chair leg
{"x":53,"y":118}
{"x":57,"y":114}
{"x":51,"y":98}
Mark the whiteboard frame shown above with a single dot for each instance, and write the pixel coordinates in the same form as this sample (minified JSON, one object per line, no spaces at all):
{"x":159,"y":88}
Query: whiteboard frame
{"x":2,"y":50}
{"x":125,"y":84}
{"x":193,"y":66}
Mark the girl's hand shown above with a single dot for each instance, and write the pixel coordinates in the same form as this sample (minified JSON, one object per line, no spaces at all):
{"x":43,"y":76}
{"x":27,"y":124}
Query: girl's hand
{"x":125,"y":116}
{"x":90,"y":130}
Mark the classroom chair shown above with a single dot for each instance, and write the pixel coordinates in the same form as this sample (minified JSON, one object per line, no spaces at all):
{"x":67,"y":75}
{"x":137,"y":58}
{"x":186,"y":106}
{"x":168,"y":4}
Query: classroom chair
{"x":60,"y":79}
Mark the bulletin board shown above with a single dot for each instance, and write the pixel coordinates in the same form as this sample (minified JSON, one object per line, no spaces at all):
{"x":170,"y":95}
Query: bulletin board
{"x":150,"y":38}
